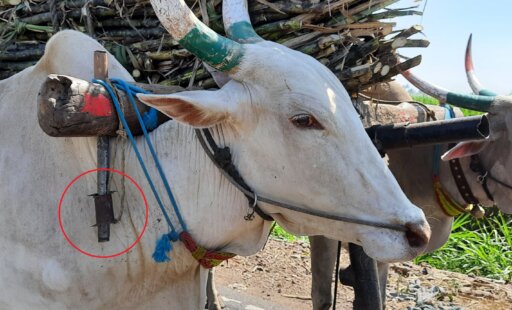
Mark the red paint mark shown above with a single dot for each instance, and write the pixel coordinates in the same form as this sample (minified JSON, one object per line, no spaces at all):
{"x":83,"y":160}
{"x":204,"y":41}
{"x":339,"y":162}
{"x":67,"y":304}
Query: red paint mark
{"x":468,"y":59}
{"x":97,"y":105}
{"x":91,"y":254}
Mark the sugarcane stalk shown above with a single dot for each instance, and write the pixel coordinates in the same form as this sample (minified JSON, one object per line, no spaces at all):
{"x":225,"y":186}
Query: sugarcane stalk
{"x":150,"y":45}
{"x":370,"y":6}
{"x":169,"y":55}
{"x":276,"y":27}
{"x":267,"y":17}
{"x":401,"y":67}
{"x":301,"y":40}
{"x":304,"y":7}
{"x":43,"y":6}
{"x":356,"y":53}
{"x":326,"y":30}
{"x":7,"y":73}
{"x":409,"y":32}
{"x":16,"y":66}
{"x":33,"y":53}
{"x":354,"y":72}
{"x":137,"y":23}
{"x":391,"y":14}
{"x":417,"y":43}
{"x":130,"y":34}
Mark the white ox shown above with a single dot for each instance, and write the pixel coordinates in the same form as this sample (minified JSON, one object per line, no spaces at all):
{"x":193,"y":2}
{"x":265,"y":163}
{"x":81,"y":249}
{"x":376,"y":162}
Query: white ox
{"x":294,"y":137}
{"x":413,"y":169}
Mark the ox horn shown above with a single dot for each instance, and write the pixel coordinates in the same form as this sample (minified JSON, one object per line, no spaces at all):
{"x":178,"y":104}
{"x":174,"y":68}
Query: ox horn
{"x":237,"y":23}
{"x":472,"y":102}
{"x":177,"y":18}
{"x":473,"y":81}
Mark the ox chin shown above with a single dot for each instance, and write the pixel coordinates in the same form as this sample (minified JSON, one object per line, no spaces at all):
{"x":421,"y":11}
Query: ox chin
{"x":442,"y":227}
{"x":389,"y":246}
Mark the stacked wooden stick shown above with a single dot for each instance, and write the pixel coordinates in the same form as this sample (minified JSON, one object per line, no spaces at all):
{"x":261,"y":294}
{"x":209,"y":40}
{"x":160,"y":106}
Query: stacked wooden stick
{"x":352,"y":37}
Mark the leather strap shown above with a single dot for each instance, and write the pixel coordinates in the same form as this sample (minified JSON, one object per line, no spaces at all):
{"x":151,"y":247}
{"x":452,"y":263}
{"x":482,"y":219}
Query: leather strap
{"x":223,"y":157}
{"x":462,"y":183}
{"x":292,"y":207}
{"x":476,"y":166}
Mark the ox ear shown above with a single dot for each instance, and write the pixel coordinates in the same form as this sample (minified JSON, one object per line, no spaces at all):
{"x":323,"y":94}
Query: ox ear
{"x":200,"y":109}
{"x":464,"y":149}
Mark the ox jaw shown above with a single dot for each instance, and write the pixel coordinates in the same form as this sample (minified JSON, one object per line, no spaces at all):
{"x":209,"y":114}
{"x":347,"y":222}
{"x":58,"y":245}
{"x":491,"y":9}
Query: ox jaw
{"x":375,"y":241}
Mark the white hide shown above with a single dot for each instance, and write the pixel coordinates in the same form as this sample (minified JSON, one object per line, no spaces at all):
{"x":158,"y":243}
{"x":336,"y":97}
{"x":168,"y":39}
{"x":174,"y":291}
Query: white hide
{"x":322,"y":170}
{"x":315,"y":165}
{"x":39,"y":268}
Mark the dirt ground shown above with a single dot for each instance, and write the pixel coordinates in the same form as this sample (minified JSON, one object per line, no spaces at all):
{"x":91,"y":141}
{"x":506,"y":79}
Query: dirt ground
{"x":280,"y":274}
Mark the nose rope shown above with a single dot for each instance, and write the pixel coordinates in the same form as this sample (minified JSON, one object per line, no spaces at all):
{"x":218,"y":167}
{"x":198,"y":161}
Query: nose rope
{"x":260,"y":198}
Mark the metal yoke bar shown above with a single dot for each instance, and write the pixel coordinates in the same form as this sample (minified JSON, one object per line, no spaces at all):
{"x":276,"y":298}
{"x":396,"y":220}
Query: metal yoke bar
{"x":103,"y":146}
{"x":393,"y":136}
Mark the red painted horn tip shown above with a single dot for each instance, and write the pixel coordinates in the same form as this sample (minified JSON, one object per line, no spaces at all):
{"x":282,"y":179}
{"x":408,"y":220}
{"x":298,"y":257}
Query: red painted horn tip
{"x":468,"y":62}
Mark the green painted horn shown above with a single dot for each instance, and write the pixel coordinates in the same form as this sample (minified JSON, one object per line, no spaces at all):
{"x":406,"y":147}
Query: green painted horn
{"x":235,"y":14}
{"x":219,"y":52}
{"x":471,"y":102}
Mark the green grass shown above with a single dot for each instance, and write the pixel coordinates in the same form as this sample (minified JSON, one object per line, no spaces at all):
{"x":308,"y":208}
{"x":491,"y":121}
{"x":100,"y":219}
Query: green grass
{"x":279,"y":233}
{"x":429,"y":100}
{"x":479,"y":247}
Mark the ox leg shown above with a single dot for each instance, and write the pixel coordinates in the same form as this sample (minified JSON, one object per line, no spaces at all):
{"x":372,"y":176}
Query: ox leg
{"x":323,"y":259}
{"x":383,"y":281}
{"x":213,"y":301}
{"x":365,"y":280}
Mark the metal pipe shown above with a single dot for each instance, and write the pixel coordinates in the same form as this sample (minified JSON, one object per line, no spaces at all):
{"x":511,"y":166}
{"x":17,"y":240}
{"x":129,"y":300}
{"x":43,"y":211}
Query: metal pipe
{"x":402,"y":135}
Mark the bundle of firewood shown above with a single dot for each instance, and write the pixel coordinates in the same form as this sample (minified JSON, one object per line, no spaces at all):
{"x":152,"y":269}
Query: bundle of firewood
{"x":351,"y":37}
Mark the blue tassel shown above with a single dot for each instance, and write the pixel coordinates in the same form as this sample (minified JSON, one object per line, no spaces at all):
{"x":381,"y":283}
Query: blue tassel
{"x":162,"y":249}
{"x":173,"y":236}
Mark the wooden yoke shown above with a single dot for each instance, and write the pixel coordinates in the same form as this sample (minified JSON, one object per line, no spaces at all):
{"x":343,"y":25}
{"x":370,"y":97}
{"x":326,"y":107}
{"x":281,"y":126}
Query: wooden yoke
{"x":71,"y":107}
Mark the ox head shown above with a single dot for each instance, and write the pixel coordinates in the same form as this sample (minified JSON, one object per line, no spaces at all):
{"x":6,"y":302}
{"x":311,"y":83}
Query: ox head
{"x":294,"y":134}
{"x":496,"y":151}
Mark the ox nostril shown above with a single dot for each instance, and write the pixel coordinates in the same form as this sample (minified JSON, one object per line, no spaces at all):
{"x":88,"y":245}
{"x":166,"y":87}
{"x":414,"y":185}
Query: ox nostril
{"x":416,"y":235}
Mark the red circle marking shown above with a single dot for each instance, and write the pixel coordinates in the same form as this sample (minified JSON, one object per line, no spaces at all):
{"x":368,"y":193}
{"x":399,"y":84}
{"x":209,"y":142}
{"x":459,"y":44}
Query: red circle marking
{"x":115,"y":254}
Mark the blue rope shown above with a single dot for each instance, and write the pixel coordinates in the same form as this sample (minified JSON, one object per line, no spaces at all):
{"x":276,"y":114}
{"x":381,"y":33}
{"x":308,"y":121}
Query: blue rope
{"x":163,"y":246}
{"x":448,"y":114}
{"x":130,"y":90}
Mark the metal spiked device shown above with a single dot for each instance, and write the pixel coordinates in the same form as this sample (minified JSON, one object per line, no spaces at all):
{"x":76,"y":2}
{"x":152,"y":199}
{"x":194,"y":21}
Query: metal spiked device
{"x":103,"y":198}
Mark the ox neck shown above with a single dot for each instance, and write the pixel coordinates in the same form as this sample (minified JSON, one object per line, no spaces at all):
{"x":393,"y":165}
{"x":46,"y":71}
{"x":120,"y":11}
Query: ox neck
{"x":212,"y":208}
{"x":476,"y":188}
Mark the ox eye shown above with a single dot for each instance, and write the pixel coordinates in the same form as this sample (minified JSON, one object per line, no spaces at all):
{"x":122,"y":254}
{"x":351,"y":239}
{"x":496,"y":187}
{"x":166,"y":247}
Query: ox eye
{"x":305,"y":121}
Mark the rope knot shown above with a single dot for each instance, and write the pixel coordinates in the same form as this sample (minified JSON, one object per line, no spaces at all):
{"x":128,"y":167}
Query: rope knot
{"x":121,"y":133}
